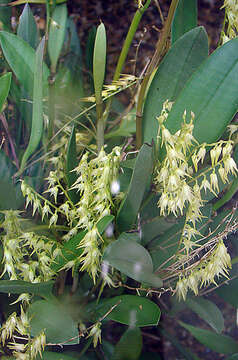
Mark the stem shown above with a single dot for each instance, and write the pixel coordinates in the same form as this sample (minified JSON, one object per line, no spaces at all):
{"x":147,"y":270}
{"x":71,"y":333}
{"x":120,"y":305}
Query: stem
{"x":51,"y":106}
{"x":161,"y":44}
{"x":126,"y":46}
{"x":100,"y":125}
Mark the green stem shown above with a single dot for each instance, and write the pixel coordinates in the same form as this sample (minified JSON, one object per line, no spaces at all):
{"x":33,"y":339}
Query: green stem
{"x":161,"y":44}
{"x":100,"y":125}
{"x":51,"y":106}
{"x":126,"y":46}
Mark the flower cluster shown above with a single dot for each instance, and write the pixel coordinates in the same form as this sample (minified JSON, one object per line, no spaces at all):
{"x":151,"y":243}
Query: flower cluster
{"x":177,"y":179}
{"x":96,"y":184}
{"x":181,"y":180}
{"x":27,"y":256}
{"x":28,"y":349}
{"x":214,"y":265}
{"x":231,"y":20}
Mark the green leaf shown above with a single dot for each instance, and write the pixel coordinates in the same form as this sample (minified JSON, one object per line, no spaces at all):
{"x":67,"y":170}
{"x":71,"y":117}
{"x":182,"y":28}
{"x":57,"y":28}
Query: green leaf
{"x":164,"y":247}
{"x":130,"y":310}
{"x":21,"y":58}
{"x":20,"y":286}
{"x":71,"y":163}
{"x":185,"y":18}
{"x":129,"y":346}
{"x":5,"y":16}
{"x":133,"y":260}
{"x":27,"y":28}
{"x":103,"y":223}
{"x":178,"y":65}
{"x":57,"y":34}
{"x":49,"y":355}
{"x":10,"y":193}
{"x":208,"y":311}
{"x":54,"y":317}
{"x":211,"y":94}
{"x":99,"y":61}
{"x":220,"y":343}
{"x":129,"y":208}
{"x":37,"y":109}
{"x":5,"y":82}
{"x":70,"y":250}
{"x":229,"y":292}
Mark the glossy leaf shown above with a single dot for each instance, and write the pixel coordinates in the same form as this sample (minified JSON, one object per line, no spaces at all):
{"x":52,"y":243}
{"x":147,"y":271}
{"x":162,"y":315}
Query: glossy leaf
{"x":5,"y":82}
{"x":71,"y":163}
{"x":185,"y":18}
{"x":133,"y":260}
{"x":37,"y":107}
{"x":220,"y":343}
{"x":129,"y":346}
{"x":185,"y":56}
{"x":129,"y":208}
{"x":208,"y":311}
{"x":27,"y":28}
{"x":5,"y":16}
{"x":20,"y":286}
{"x":21,"y":58}
{"x":210,"y":94}
{"x":130,"y":310}
{"x":57,"y":34}
{"x":103,"y":223}
{"x":99,"y":61}
{"x":55,"y":318}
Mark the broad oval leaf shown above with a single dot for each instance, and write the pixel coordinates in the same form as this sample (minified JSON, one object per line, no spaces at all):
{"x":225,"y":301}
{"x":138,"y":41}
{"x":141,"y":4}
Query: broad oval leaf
{"x":55,"y":318}
{"x":208,"y":311}
{"x":141,"y":176}
{"x":220,"y":343}
{"x":133,"y":260}
{"x":57,"y":34}
{"x":130,"y":310}
{"x":185,"y":18}
{"x":21,"y":59}
{"x":5,"y":82}
{"x":211,"y":94}
{"x":129,"y":346}
{"x":27,"y":28}
{"x":50,"y":355}
{"x":185,"y":56}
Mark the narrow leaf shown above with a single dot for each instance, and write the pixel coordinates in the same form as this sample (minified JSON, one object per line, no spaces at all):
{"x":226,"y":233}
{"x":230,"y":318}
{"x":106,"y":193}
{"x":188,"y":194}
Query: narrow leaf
{"x":57,"y":34}
{"x":99,"y":61}
{"x":5,"y":82}
{"x":185,"y":18}
{"x":21,"y":59}
{"x":20,"y":286}
{"x":27,"y":28}
{"x":71,"y":163}
{"x":37,"y":110}
{"x":220,"y":343}
{"x":141,"y":176}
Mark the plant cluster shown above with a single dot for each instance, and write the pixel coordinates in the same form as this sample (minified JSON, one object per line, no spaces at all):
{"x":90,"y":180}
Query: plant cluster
{"x":115,"y":208}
